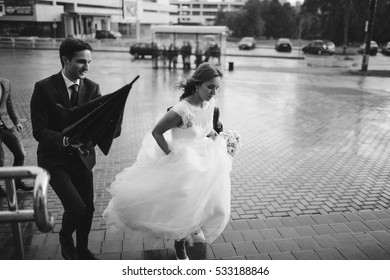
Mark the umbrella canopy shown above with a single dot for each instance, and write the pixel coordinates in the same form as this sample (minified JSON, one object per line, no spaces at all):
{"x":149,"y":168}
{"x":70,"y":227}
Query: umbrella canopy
{"x":98,"y":121}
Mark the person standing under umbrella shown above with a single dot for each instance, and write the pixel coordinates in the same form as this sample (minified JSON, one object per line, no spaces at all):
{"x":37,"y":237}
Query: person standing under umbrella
{"x":70,"y":170}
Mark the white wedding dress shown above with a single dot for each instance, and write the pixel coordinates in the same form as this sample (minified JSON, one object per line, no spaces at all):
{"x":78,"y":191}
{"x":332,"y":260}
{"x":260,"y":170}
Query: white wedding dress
{"x":172,"y":196}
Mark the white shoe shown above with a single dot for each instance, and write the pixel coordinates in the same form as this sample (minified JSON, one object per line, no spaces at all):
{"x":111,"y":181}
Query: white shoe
{"x":198,"y":236}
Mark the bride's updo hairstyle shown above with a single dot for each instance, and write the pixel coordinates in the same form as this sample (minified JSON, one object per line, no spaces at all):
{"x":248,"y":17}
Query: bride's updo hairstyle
{"x":203,"y":73}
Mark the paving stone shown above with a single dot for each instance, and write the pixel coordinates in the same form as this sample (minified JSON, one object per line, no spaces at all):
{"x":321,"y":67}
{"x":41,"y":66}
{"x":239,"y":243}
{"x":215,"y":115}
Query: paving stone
{"x":219,"y":240}
{"x":286,"y":232}
{"x":365,"y":238}
{"x":96,"y":235}
{"x":366,"y":215}
{"x":306,"y":255}
{"x":357,"y":226}
{"x":382,"y":235}
{"x":375,"y":252}
{"x":112,"y":246}
{"x":132,"y":255}
{"x":158,"y":254}
{"x":273,"y":223}
{"x":381,"y":214}
{"x":340,"y":228}
{"x":306,"y":220}
{"x":329,"y":254}
{"x":240,"y":225}
{"x":323,"y":229}
{"x":345,"y":239}
{"x":245,"y":248}
{"x":386,"y":247}
{"x":287,"y":244}
{"x":251,"y":235}
{"x":307,"y":243}
{"x":305,"y":231}
{"x":353,"y":217}
{"x":233,"y":236}
{"x":259,"y":257}
{"x":266,"y":246}
{"x":270,"y":233}
{"x":352,"y":253}
{"x":282,"y":256}
{"x":326,"y":241}
{"x":385,"y":222}
{"x":238,"y":258}
{"x":289,"y":221}
{"x":374,"y":225}
{"x":223,"y":250}
{"x":114,"y":236}
{"x":257,"y":224}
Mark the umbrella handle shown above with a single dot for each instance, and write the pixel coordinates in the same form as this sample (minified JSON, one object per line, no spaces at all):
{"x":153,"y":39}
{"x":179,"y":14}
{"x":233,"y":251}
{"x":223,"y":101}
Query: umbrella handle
{"x":83,"y":152}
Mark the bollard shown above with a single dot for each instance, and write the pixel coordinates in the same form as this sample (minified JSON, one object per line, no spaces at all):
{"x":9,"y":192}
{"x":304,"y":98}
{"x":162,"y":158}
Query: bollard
{"x":231,"y":66}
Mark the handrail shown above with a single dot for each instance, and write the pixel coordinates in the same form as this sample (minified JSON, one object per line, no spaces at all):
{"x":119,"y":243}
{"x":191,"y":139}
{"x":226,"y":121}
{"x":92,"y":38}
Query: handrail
{"x":39,"y":213}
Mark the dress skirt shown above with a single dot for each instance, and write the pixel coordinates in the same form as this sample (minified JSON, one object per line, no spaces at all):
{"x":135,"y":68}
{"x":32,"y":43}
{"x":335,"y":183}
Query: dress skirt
{"x":172,"y":196}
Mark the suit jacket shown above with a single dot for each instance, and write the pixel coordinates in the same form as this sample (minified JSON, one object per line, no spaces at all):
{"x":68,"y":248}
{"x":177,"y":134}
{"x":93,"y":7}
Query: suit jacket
{"x":7,"y":113}
{"x":47,"y":122}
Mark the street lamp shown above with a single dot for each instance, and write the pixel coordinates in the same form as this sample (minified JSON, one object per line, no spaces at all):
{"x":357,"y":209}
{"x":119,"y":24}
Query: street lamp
{"x":368,"y":29}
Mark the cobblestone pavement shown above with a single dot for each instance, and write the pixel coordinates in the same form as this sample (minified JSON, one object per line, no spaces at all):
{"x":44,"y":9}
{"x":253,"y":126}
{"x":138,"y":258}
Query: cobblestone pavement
{"x":310,"y":181}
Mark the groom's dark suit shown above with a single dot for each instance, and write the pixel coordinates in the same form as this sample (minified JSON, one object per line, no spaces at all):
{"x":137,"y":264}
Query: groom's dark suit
{"x":71,"y":174}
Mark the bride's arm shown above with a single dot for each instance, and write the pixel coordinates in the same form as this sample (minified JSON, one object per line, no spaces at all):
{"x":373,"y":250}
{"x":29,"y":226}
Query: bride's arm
{"x":170,"y":120}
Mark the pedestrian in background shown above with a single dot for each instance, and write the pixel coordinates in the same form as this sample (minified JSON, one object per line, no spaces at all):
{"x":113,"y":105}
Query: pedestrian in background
{"x":10,"y":129}
{"x":70,"y":170}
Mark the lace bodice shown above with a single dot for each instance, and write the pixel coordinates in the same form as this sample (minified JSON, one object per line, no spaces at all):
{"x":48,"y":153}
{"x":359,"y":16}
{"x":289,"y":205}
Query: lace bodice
{"x":197,"y":122}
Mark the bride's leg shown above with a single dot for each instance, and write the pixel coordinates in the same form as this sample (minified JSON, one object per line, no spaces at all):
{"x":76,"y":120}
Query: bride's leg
{"x":180,"y":249}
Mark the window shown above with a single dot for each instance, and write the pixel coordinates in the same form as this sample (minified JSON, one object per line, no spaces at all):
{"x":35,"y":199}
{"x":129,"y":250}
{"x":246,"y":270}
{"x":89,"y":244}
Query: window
{"x":210,"y":6}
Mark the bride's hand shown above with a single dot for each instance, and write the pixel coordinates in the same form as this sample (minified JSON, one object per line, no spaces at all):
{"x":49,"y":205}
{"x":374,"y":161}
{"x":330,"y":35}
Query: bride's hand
{"x":213,"y":134}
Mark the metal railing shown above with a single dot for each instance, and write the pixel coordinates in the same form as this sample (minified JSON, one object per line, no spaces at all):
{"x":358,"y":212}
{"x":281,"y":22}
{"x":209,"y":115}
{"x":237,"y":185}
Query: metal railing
{"x":39,"y":213}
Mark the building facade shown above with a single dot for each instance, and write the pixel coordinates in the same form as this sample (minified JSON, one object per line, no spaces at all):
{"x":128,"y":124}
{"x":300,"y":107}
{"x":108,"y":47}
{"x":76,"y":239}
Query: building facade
{"x":203,"y":12}
{"x":64,"y":18}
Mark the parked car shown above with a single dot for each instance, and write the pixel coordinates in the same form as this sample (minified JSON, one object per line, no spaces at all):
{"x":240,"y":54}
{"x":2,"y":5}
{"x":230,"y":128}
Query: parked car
{"x":330,"y":46}
{"x":247,"y":43}
{"x":386,"y":48}
{"x":319,"y":47}
{"x":107,"y":34}
{"x":140,"y":50}
{"x":373,"y":48}
{"x":283,"y":45}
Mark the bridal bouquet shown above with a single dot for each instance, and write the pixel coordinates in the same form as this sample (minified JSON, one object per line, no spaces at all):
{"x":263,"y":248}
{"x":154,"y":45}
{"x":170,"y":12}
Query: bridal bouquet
{"x":233,"y":141}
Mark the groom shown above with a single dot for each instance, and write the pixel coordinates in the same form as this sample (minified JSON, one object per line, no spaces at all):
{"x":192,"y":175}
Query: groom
{"x":70,"y":171}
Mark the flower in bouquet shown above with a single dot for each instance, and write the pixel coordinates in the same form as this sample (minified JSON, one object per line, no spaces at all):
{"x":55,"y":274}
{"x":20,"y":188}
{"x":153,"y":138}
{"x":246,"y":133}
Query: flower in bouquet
{"x":233,"y":141}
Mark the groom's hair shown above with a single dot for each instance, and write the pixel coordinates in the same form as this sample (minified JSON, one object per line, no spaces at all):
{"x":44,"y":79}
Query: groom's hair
{"x":70,"y":46}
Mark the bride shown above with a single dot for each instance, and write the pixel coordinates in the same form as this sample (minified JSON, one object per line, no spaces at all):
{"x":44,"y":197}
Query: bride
{"x":180,"y":182}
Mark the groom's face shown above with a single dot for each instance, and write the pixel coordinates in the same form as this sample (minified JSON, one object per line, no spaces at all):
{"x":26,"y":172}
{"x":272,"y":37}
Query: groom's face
{"x":78,"y":66}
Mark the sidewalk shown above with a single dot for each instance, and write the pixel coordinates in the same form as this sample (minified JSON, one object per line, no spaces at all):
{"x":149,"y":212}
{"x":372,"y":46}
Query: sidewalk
{"x":309,"y":183}
{"x":349,"y":236}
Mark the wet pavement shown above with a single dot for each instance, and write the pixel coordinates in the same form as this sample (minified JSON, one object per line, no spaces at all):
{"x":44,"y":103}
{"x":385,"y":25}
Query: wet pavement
{"x":311,"y":179}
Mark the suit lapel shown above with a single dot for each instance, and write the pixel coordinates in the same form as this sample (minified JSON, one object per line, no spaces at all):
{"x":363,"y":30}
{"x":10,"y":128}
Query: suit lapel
{"x":60,"y":85}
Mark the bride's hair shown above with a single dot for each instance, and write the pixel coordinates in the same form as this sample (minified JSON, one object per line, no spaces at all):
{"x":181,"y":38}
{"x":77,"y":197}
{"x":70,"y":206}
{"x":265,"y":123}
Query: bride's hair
{"x":203,"y":73}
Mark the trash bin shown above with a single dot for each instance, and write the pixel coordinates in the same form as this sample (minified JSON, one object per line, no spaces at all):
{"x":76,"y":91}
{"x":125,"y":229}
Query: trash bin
{"x":231,"y":66}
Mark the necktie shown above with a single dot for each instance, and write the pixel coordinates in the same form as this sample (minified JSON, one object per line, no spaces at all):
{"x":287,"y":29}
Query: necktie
{"x":74,"y":95}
